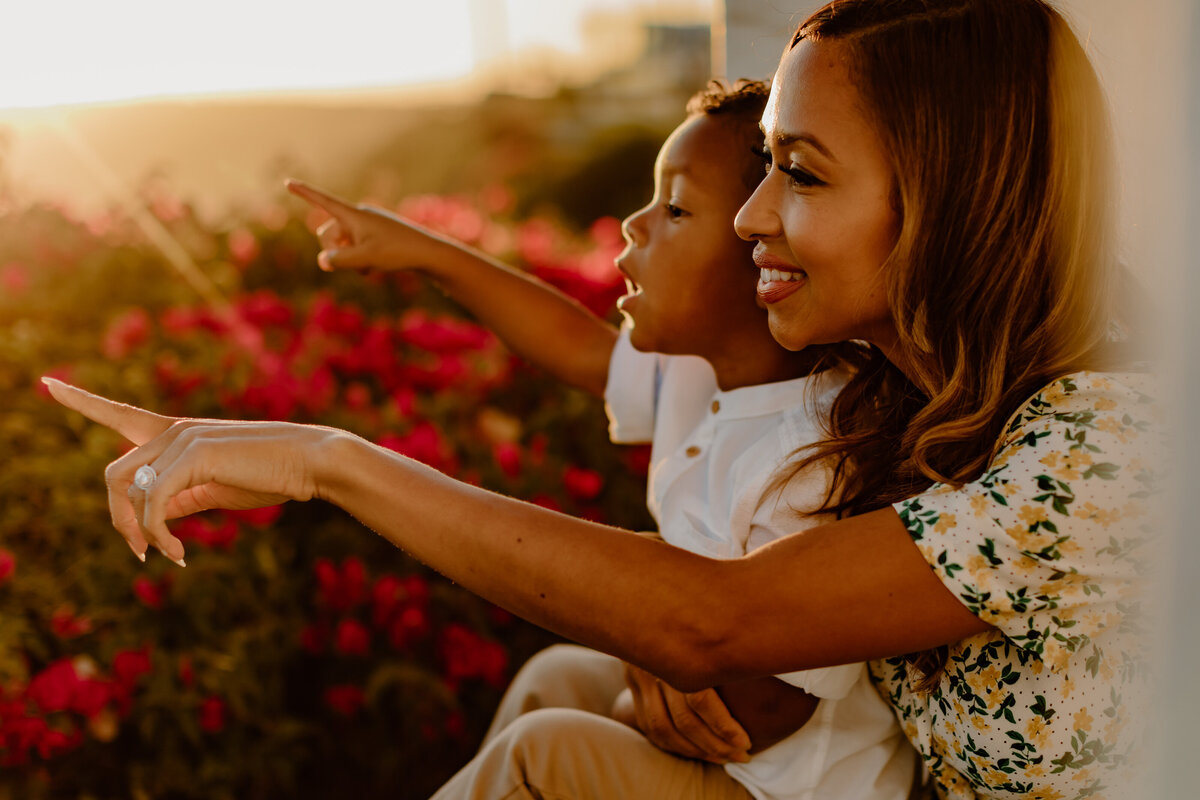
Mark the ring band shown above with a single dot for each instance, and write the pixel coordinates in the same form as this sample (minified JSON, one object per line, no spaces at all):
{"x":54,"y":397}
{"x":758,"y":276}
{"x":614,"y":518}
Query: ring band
{"x":145,"y":477}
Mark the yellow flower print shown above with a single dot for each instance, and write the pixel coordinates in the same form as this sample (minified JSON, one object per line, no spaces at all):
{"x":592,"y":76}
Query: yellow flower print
{"x":1083,"y":720}
{"x":1035,"y":770}
{"x":1087,"y":510}
{"x":1133,"y":509}
{"x":1032,"y":514}
{"x":945,"y":522}
{"x":1113,"y":727}
{"x":1105,"y":404}
{"x":1046,"y":793}
{"x":1110,"y":425}
{"x":1035,"y":731}
{"x":1083,"y":776}
{"x":1068,"y":686}
{"x":910,"y":730}
{"x":1069,"y":547}
{"x":1054,"y":394}
{"x":939,"y":744}
{"x":980,"y":504}
{"x":1100,"y":382}
{"x":979,"y":567}
{"x":981,"y":723}
{"x":1009,"y":489}
{"x":1036,"y":666}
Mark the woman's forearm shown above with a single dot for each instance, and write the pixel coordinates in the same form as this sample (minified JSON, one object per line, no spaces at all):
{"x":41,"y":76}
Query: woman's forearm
{"x":828,"y":596}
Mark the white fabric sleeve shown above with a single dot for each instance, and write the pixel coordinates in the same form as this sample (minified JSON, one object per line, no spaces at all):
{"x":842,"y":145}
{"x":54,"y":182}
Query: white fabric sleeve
{"x":829,"y":683}
{"x":631,"y":394}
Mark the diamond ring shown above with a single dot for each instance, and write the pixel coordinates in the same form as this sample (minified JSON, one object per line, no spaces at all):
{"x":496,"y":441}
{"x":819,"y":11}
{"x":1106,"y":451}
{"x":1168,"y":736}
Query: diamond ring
{"x":145,"y":477}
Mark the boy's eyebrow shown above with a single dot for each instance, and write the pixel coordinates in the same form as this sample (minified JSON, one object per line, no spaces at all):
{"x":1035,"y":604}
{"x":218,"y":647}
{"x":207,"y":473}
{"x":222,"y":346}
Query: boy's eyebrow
{"x":788,"y":139}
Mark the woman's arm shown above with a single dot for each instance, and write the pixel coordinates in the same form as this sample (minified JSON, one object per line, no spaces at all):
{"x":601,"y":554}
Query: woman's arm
{"x":849,"y":591}
{"x":535,"y":320}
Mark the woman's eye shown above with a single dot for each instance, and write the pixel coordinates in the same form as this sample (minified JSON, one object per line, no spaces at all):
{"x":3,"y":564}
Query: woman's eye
{"x":801,"y":178}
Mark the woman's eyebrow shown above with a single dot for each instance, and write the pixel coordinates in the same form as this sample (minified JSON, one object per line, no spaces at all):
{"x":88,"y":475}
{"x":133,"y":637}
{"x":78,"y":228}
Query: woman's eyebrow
{"x":789,"y":139}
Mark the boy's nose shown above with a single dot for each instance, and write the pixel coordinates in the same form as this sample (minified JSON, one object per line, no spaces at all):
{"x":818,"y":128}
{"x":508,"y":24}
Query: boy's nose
{"x":631,"y":228}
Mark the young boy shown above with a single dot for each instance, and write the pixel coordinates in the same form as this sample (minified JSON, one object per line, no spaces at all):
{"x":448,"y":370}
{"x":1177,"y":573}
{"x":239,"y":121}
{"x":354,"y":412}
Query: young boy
{"x":694,"y":370}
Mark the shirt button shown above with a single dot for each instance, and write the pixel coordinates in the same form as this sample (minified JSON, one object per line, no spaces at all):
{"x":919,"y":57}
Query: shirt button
{"x":692,"y":451}
{"x":716,"y":406}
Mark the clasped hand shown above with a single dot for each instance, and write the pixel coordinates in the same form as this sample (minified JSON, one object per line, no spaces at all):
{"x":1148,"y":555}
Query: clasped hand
{"x":199,"y":464}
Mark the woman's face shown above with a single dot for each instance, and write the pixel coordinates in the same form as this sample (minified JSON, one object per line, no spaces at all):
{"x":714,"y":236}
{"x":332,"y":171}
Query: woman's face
{"x":822,"y":219}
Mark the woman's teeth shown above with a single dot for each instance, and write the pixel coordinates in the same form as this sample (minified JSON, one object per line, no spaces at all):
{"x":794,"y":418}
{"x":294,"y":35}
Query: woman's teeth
{"x":769,"y":275}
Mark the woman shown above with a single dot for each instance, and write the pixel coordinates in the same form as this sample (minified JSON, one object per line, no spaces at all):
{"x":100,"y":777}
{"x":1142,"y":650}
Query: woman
{"x":936,"y":186}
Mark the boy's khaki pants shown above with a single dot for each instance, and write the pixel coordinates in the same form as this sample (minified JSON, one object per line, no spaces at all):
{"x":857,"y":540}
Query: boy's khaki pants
{"x":552,"y":739}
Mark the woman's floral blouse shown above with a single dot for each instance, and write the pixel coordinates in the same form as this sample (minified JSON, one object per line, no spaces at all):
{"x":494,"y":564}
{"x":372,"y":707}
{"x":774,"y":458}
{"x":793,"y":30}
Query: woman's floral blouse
{"x":1049,"y":546}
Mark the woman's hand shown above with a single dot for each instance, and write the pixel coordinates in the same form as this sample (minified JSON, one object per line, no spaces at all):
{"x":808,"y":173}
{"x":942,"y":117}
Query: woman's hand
{"x":199,"y":465}
{"x":365,"y":236}
{"x":693,"y":724}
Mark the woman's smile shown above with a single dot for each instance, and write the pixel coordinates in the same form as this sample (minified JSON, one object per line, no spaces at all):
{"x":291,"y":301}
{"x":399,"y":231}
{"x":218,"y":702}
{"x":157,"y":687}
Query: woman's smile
{"x":777,"y":279}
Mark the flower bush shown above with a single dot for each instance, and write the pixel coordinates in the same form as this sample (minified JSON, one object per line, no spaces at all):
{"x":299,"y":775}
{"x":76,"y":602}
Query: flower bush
{"x":295,"y":656}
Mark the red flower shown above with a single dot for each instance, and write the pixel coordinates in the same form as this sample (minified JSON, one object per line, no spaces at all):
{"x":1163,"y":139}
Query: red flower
{"x":66,"y":625}
{"x":386,"y":595}
{"x":410,"y":624}
{"x":187,"y":674}
{"x":508,"y":458}
{"x":346,"y":699}
{"x":54,"y":686}
{"x":312,"y":638}
{"x":582,"y":484}
{"x":258,"y":517}
{"x":424,"y":443}
{"x":465,"y":654}
{"x":125,"y":334}
{"x":351,"y":638}
{"x":442,"y":335}
{"x":151,"y":593}
{"x":342,"y":589}
{"x":8,"y":565}
{"x":130,"y":665}
{"x":90,"y":697}
{"x":212,"y":714}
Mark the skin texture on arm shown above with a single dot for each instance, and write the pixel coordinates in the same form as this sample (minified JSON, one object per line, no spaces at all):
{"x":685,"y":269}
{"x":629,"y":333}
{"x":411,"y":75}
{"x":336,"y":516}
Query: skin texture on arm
{"x":849,"y":591}
{"x":535,"y":320}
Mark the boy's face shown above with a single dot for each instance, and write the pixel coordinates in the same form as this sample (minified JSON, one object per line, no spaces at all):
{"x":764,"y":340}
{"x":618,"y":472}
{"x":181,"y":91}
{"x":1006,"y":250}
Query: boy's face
{"x":691,"y":279}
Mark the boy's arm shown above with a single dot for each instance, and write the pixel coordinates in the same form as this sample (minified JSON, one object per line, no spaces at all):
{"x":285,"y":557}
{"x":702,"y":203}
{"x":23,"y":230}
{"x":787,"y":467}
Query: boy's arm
{"x":726,"y":724}
{"x":536,"y":321}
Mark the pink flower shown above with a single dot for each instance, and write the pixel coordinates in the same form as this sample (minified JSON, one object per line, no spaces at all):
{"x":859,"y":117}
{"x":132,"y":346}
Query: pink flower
{"x":8,"y":565}
{"x":582,"y":484}
{"x":14,"y":279}
{"x":264,"y":308}
{"x":125,"y":334}
{"x":351,"y":638}
{"x":346,"y":699}
{"x":243,"y":246}
{"x":151,"y":593}
{"x":212,"y":714}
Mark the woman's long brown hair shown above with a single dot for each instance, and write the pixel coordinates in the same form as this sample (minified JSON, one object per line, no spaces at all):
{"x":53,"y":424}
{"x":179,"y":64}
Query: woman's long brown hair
{"x":1001,"y":276}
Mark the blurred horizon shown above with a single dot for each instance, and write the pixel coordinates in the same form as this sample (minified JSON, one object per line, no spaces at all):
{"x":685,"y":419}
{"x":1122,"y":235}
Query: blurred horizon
{"x":293,"y":91}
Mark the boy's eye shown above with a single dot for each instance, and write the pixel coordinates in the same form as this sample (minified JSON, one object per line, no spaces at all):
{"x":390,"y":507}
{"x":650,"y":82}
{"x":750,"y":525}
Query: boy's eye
{"x":674,"y":211}
{"x":764,"y":155}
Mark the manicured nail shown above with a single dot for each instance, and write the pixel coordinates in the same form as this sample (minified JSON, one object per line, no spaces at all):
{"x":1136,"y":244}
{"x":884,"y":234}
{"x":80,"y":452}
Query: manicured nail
{"x":141,"y":557}
{"x":178,"y":561}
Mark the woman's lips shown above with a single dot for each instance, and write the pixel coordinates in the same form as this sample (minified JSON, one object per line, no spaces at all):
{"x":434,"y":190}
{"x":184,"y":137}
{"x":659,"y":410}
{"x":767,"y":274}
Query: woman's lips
{"x":775,"y":284}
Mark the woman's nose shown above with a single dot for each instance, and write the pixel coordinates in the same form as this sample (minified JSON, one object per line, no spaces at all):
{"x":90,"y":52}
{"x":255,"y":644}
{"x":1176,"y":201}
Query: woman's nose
{"x":758,"y":217}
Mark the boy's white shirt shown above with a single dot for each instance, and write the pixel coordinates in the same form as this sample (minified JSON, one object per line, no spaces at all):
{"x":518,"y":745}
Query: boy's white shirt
{"x":714,"y":457}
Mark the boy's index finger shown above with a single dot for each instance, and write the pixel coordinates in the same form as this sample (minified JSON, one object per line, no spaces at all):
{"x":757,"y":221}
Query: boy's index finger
{"x":323,"y":200}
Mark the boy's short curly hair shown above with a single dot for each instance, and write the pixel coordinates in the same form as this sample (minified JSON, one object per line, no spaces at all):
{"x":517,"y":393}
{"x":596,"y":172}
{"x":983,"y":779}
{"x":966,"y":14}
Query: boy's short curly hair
{"x":739,"y":104}
{"x":743,"y":97}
